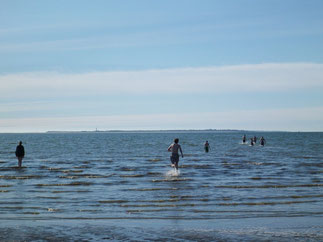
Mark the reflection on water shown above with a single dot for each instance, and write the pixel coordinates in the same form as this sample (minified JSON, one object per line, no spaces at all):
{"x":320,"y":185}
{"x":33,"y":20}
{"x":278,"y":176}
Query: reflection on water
{"x":126,"y":176}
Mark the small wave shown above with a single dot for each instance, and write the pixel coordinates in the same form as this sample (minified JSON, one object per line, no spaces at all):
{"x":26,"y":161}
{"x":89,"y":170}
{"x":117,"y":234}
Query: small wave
{"x":54,"y":210}
{"x":21,"y":177}
{"x":154,"y":160}
{"x":152,"y":189}
{"x":9,"y":203}
{"x":157,"y":205}
{"x":12,"y":168}
{"x":68,"y":177}
{"x":175,"y":179}
{"x":31,"y":213}
{"x":5,"y":185}
{"x":149,"y":210}
{"x":5,"y":152}
{"x":20,"y":208}
{"x":203,"y":186}
{"x":127,"y":169}
{"x":319,"y":164}
{"x":181,"y":197}
{"x":72,"y":171}
{"x":191,"y":144}
{"x":189,"y":155}
{"x":12,"y":208}
{"x":136,"y":175}
{"x":77,"y":191}
{"x":159,"y":201}
{"x":154,"y":173}
{"x":231,"y":164}
{"x":235,"y":156}
{"x":54,"y":169}
{"x":264,"y":178}
{"x":43,"y":197}
{"x":175,"y":200}
{"x":196,"y":160}
{"x":114,"y":201}
{"x":197,"y":166}
{"x":286,"y":197}
{"x":306,"y":196}
{"x":266,"y":203}
{"x":89,"y":210}
{"x":270,"y":186}
{"x":256,"y":163}
{"x":82,"y":167}
{"x":66,"y":184}
{"x":306,"y":157}
{"x":91,"y":176}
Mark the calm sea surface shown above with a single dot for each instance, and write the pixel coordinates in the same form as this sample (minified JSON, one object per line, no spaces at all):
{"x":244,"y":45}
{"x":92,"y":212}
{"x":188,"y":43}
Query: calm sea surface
{"x":120,"y":186}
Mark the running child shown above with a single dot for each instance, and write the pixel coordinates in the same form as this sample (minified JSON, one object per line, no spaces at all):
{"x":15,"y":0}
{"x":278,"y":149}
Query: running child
{"x":174,"y":148}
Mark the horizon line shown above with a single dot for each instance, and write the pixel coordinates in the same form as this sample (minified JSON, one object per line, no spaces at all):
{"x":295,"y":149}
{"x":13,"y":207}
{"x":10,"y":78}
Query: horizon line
{"x":154,"y":130}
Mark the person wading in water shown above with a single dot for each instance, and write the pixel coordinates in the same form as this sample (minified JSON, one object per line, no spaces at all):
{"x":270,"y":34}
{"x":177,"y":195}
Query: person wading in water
{"x":174,"y":148}
{"x":20,"y":153}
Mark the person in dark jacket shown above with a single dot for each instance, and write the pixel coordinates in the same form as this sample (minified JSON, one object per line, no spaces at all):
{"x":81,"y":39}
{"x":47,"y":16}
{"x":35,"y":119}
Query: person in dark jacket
{"x":252,"y":142}
{"x":20,"y":153}
{"x":244,"y":139}
{"x":206,"y":146}
{"x":262,"y":141}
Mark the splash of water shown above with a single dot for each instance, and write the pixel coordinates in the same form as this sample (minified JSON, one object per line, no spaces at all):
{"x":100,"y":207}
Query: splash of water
{"x":172,"y":173}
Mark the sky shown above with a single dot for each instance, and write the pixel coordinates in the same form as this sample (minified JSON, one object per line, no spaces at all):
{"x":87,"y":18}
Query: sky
{"x":158,"y":65}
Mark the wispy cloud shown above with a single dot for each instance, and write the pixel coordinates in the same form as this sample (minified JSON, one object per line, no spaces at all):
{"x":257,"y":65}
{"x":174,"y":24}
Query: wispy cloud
{"x":40,"y":101}
{"x":226,"y":79}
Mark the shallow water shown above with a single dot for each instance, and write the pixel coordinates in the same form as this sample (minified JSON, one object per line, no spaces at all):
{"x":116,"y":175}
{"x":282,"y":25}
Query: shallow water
{"x":88,"y":180}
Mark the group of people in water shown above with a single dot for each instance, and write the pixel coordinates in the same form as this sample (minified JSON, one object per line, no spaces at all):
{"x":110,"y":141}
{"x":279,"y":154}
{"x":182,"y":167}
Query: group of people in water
{"x":253,"y":140}
{"x":175,"y":148}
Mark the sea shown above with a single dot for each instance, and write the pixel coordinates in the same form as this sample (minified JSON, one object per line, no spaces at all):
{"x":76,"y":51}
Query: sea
{"x":120,"y":186}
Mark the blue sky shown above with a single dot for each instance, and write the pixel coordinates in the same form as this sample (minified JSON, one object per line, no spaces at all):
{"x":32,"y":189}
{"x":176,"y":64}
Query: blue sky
{"x":81,"y":65}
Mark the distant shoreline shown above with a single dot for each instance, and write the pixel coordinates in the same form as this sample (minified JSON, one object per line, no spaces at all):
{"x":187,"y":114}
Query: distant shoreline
{"x":175,"y":130}
{"x":150,"y":131}
{"x":158,"y":131}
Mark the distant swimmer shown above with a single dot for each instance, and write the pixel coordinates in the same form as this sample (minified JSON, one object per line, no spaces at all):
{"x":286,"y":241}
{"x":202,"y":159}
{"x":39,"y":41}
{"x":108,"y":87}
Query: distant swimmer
{"x":244,"y":139}
{"x":252,"y":143}
{"x":255,"y":139}
{"x":20,"y":153}
{"x":206,"y":146}
{"x":262,"y":141}
{"x":175,"y":156}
